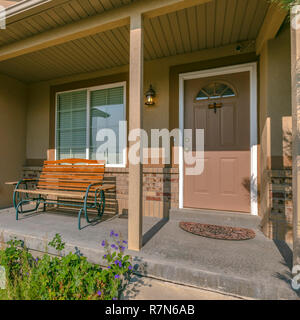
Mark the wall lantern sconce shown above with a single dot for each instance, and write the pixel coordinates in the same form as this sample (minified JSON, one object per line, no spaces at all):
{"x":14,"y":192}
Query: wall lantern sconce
{"x":150,"y":94}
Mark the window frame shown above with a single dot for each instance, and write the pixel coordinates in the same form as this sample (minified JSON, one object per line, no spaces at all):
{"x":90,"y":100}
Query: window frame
{"x":212,"y":98}
{"x":89,"y":90}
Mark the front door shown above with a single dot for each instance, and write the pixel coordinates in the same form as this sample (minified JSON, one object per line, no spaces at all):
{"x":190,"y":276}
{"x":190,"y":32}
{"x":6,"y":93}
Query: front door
{"x":221,"y":106}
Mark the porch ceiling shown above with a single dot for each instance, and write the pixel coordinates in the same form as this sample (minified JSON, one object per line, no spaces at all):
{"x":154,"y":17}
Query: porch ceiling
{"x":210,"y":25}
{"x":214,"y":24}
{"x":101,"y":51}
{"x":62,"y":13}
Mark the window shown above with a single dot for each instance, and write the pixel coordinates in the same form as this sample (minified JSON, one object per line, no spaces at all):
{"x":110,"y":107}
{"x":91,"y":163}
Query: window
{"x":82,"y":114}
{"x":215,"y":90}
{"x":71,"y":125}
{"x":107,"y":110}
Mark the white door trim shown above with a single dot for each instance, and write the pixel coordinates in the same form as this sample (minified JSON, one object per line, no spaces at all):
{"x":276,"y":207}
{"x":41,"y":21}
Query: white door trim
{"x":252,"y":68}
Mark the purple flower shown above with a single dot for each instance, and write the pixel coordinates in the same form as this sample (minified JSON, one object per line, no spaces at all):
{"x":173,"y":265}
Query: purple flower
{"x":105,"y":256}
{"x":116,"y":234}
{"x":37,"y":260}
{"x":117,"y":276}
{"x":122,"y":248}
{"x":120,"y":264}
{"x":112,"y":233}
{"x":99,"y":293}
{"x":130,"y":268}
{"x":114,"y":298}
{"x":103,"y":244}
{"x":117,"y":261}
{"x":125,"y":242}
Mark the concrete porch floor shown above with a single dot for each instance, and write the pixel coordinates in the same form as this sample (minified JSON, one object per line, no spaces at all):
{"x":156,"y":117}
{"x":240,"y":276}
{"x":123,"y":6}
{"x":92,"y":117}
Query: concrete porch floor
{"x":257,"y":268}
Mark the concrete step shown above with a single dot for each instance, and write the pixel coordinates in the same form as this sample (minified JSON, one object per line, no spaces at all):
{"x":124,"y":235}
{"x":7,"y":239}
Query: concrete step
{"x":233,"y":219}
{"x":221,"y":282}
{"x":144,"y":288}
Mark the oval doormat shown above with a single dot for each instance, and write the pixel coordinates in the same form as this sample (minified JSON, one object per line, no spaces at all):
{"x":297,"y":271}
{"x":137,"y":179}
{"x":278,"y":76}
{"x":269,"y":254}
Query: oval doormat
{"x":217,"y":232}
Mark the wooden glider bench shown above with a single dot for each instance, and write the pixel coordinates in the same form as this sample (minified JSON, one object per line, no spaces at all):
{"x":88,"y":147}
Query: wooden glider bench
{"x":70,"y":182}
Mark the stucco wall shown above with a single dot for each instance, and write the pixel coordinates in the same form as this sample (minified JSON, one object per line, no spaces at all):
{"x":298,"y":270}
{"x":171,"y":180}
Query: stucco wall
{"x":37,"y":140}
{"x":275,"y":99}
{"x":275,"y":126}
{"x":13,"y":100}
{"x":279,"y":97}
{"x":156,"y":72}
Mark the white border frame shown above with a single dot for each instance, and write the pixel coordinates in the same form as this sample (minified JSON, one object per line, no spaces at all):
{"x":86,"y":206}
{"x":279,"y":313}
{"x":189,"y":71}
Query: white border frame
{"x":89,"y":90}
{"x":252,"y":69}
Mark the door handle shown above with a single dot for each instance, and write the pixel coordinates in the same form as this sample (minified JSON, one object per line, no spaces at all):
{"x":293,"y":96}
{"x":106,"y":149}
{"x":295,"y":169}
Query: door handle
{"x":215,"y":106}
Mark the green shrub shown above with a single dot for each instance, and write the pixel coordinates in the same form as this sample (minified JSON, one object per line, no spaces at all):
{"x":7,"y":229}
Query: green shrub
{"x":69,"y":277}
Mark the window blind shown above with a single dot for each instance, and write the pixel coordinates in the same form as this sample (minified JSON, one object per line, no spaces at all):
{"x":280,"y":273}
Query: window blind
{"x":71,"y":124}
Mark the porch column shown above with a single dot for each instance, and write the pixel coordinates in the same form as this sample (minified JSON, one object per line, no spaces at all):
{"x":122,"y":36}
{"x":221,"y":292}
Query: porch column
{"x":136,"y":61}
{"x":295,"y":61}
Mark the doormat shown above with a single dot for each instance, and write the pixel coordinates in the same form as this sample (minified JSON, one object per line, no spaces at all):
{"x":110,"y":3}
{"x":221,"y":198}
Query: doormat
{"x":217,"y":232}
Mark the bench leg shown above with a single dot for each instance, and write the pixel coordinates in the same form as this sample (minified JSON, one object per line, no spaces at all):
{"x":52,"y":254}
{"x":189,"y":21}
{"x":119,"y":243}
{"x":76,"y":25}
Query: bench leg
{"x":86,"y":217}
{"x":100,"y":207}
{"x":19,"y":205}
{"x":79,"y":217}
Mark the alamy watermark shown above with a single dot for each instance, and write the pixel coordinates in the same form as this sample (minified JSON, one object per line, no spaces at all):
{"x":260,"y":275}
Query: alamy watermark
{"x":188,"y":146}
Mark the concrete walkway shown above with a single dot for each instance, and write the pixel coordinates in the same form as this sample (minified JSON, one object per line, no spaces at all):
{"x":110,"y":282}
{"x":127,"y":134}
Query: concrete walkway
{"x":255,"y":268}
{"x":142,"y":288}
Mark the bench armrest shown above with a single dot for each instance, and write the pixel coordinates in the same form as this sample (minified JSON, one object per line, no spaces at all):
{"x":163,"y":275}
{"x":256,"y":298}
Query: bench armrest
{"x":13,"y":183}
{"x":96,"y":184}
{"x":25,"y":181}
{"x":93,"y":185}
{"x":89,"y":188}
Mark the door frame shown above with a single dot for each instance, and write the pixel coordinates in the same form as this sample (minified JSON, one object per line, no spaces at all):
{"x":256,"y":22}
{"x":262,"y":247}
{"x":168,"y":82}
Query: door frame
{"x":252,"y":69}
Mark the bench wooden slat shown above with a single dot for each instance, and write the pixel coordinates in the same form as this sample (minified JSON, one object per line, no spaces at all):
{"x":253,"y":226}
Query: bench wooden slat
{"x":79,"y":195}
{"x":84,"y":167}
{"x":74,"y":160}
{"x":71,"y":177}
{"x":77,"y":170}
{"x":57,"y":181}
{"x":74,"y":179}
{"x":67,"y":194}
{"x":63,"y":188}
{"x":61,"y":183}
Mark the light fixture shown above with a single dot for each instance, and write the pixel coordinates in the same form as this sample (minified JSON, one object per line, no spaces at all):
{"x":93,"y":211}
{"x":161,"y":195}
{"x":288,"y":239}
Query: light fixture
{"x":150,"y":94}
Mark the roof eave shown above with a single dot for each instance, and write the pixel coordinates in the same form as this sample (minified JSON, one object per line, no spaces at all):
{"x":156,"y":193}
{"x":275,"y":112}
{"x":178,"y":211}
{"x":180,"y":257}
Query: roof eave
{"x":22,"y":6}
